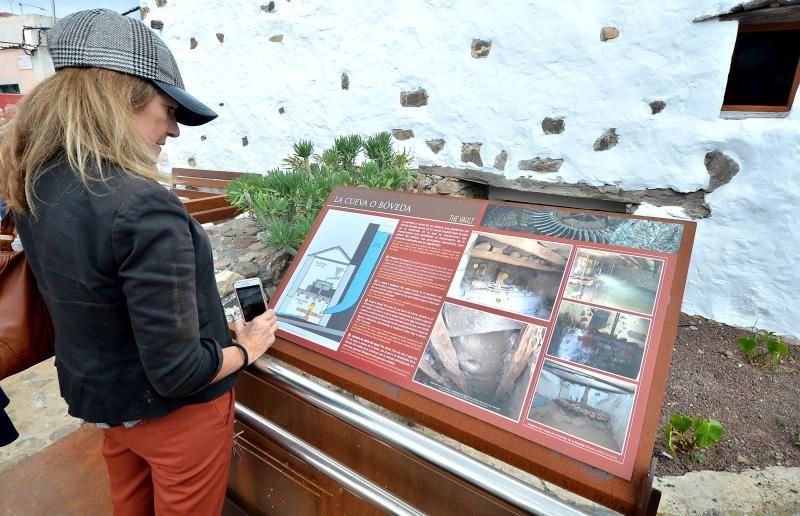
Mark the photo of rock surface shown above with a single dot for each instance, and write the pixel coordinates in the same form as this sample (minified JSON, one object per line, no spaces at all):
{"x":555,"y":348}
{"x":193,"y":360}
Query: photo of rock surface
{"x":616,"y":280}
{"x":663,"y":237}
{"x":513,"y":274}
{"x":602,"y":339}
{"x":589,"y":406}
{"x":481,"y":358}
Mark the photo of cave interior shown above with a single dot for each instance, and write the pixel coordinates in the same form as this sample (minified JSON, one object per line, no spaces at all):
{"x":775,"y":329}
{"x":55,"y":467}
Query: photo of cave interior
{"x":514,"y":274}
{"x":482,"y":358}
{"x":602,"y":339}
{"x":616,"y":280}
{"x":586,"y":405}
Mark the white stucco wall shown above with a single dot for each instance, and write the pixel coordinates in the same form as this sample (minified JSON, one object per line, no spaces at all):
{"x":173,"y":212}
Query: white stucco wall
{"x":546,"y":60}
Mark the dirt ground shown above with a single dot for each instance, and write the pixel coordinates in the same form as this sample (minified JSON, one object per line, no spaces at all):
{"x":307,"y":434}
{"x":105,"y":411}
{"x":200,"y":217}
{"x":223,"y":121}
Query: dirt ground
{"x":759,"y":409}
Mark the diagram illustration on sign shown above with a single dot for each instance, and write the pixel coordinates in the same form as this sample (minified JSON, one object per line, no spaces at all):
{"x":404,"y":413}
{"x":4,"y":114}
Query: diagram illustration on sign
{"x":328,"y":283}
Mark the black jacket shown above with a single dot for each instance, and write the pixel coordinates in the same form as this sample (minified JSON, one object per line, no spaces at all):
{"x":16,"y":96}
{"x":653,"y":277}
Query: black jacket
{"x":128,"y":278}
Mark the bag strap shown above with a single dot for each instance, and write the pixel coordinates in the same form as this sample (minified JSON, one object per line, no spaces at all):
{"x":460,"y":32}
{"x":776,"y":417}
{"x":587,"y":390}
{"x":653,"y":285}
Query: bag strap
{"x":8,"y":227}
{"x":7,"y":232}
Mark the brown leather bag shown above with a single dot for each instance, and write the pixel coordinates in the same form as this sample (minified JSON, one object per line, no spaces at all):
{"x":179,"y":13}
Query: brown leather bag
{"x":26,"y":331}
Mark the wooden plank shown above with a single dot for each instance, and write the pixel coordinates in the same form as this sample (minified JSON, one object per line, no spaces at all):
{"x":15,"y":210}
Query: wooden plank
{"x":218,"y":184}
{"x":766,"y":109}
{"x":215,"y":215}
{"x":206,"y":203}
{"x":426,"y":368}
{"x":502,"y":258}
{"x":786,"y":16}
{"x":440,"y":341}
{"x":207,"y":174}
{"x":530,"y":340}
{"x":529,"y":246}
{"x":193,"y":194}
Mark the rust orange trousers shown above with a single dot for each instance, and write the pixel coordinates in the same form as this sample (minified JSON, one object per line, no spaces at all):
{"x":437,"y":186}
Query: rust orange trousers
{"x":174,"y":465}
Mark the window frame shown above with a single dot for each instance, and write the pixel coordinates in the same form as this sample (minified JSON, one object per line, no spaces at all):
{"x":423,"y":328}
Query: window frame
{"x":768,"y":27}
{"x":18,"y":92}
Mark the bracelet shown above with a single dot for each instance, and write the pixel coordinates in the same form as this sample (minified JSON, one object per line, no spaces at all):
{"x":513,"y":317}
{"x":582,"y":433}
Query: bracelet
{"x":245,"y":356}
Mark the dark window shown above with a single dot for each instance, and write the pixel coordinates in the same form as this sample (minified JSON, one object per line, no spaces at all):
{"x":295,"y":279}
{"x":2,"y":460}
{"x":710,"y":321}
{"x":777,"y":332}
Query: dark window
{"x":9,"y":88}
{"x":764,"y":68}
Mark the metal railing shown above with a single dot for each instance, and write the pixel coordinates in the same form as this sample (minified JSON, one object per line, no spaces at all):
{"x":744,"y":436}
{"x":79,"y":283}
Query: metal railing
{"x":345,"y":476}
{"x":398,"y":436}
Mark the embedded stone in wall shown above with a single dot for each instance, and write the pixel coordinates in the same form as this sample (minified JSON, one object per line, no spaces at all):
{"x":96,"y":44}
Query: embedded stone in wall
{"x":606,"y":140}
{"x":414,"y":98}
{"x":156,"y":24}
{"x":480,"y":48}
{"x":345,"y":81}
{"x":268,"y":8}
{"x":192,"y":162}
{"x":402,"y":134}
{"x":449,"y":186}
{"x":161,"y":3}
{"x":657,"y":106}
{"x":721,"y":169}
{"x":553,"y":125}
{"x":538,"y":164}
{"x":277,"y":38}
{"x":203,"y":137}
{"x":245,"y":143}
{"x":500,"y":160}
{"x":471,"y":153}
{"x":192,"y":43}
{"x":281,"y":110}
{"x":435,"y":145}
{"x":220,"y":37}
{"x":607,"y":33}
{"x":433,"y":184}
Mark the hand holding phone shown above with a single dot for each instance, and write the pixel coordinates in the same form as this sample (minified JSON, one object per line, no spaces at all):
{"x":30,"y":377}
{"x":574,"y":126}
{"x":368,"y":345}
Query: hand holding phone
{"x":251,"y":298}
{"x":257,"y":332}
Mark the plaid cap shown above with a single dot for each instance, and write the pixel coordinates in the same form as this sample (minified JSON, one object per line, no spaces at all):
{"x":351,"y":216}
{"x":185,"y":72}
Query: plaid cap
{"x":101,"y":38}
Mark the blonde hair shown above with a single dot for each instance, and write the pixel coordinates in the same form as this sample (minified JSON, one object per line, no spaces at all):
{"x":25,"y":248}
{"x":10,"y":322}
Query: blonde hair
{"x":86,"y":116}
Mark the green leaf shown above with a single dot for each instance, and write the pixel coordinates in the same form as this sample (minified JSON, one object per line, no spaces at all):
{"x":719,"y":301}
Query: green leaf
{"x":708,"y":433}
{"x":748,"y":344}
{"x":777,"y":347}
{"x":680,"y":423}
{"x":668,"y":440}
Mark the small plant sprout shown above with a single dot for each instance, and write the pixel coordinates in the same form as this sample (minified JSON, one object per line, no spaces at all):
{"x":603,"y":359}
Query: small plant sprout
{"x":680,"y":438}
{"x":763,"y":348}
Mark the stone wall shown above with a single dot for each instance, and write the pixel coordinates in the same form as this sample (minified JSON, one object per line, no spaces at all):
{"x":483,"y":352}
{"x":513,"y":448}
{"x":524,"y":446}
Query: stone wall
{"x":612,"y":100}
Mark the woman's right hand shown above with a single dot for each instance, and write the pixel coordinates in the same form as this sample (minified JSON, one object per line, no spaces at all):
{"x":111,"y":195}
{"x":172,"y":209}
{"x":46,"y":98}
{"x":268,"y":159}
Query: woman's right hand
{"x":257,"y":335}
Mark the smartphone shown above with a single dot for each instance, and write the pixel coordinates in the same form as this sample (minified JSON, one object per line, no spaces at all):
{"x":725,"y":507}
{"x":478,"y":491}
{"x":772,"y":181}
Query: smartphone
{"x":251,"y":297}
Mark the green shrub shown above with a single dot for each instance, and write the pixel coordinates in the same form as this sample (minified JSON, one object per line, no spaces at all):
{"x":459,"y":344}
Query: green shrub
{"x":285,"y":202}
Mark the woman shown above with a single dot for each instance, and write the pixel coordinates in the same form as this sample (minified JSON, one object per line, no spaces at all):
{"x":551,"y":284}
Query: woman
{"x":142,"y":345}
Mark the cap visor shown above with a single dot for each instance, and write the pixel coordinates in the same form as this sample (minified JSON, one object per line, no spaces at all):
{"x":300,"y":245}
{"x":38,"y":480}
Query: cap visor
{"x":190,"y":110}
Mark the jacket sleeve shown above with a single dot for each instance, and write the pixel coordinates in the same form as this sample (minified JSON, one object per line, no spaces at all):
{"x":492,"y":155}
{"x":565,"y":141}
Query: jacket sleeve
{"x":154,"y":250}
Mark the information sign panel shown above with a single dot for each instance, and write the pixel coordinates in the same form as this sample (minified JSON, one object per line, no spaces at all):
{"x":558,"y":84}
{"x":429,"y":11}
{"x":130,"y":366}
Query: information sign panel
{"x":544,"y":322}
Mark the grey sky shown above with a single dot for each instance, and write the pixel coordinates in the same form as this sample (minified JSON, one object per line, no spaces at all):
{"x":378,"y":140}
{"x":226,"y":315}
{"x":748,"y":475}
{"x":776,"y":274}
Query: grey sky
{"x":65,"y":7}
